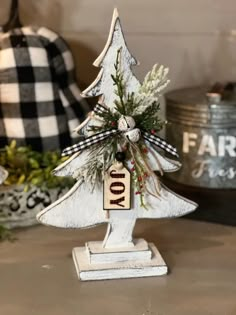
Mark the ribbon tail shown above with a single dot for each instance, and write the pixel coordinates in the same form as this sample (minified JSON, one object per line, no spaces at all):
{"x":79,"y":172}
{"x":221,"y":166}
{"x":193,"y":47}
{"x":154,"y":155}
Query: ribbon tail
{"x":90,"y":141}
{"x":161,"y":143}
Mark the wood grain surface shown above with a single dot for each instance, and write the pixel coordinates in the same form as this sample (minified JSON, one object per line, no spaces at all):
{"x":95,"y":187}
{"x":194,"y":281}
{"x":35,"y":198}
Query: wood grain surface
{"x":38,"y":275}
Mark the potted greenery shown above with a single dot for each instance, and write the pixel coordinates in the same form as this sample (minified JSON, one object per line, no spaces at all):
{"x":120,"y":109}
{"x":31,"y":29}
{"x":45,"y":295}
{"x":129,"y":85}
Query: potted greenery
{"x":30,"y":185}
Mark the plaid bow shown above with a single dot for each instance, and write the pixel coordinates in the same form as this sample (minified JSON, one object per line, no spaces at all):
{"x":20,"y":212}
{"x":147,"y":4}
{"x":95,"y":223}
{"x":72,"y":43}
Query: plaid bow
{"x":89,"y":141}
{"x":161,"y":143}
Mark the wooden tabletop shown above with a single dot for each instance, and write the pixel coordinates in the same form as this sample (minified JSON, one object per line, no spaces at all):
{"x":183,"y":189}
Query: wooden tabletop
{"x":37,"y":274}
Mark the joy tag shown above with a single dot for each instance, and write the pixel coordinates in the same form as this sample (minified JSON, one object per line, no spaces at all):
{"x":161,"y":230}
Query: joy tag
{"x":116,"y":189}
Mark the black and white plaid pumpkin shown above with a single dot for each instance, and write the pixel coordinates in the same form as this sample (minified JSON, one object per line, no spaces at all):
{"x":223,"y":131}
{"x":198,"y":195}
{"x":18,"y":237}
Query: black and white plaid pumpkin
{"x":40,"y":102}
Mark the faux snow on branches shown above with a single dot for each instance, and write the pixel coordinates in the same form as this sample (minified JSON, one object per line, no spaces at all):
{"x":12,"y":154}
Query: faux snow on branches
{"x":150,"y":91}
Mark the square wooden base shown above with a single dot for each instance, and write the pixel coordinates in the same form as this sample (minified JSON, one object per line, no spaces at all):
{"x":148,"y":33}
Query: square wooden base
{"x":129,"y":268}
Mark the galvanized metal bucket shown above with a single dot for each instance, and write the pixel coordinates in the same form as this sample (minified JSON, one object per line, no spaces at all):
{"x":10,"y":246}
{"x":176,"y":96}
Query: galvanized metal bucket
{"x":204,"y":131}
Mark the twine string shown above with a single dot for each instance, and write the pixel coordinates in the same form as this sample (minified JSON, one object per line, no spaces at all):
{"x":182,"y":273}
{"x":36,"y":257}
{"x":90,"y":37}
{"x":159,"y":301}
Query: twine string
{"x":151,"y":173}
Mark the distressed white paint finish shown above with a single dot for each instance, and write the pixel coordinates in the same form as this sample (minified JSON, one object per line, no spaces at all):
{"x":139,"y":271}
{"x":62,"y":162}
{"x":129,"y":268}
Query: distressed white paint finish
{"x":157,"y":162}
{"x":82,"y":207}
{"x":125,"y":269}
{"x":98,"y":254}
{"x":79,"y":208}
{"x":167,"y":206}
{"x":103,"y":85}
{"x":71,"y":166}
{"x":120,"y":228}
{"x":3,"y":174}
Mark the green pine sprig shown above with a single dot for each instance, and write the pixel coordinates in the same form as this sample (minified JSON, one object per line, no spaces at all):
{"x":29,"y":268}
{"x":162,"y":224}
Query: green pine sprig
{"x":149,"y":119}
{"x":109,"y":119}
{"x":118,"y":82}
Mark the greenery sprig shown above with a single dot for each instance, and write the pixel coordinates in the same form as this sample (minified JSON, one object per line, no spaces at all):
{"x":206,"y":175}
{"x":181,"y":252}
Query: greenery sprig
{"x":149,"y":119}
{"x":118,"y":82}
{"x":144,"y":107}
{"x":28,"y":167}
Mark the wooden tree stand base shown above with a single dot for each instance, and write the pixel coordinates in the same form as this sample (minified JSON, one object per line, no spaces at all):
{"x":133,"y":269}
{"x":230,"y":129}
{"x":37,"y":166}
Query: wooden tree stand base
{"x":94,"y":262}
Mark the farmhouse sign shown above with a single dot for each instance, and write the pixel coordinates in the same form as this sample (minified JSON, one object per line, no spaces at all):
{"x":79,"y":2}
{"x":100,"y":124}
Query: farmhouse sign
{"x":117,"y":183}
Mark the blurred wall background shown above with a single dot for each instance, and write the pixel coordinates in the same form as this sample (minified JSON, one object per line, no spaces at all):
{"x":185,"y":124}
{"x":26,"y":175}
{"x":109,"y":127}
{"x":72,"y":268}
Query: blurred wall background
{"x":195,"y":39}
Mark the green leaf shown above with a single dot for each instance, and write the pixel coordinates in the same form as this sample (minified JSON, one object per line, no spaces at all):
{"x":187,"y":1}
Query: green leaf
{"x":29,"y":167}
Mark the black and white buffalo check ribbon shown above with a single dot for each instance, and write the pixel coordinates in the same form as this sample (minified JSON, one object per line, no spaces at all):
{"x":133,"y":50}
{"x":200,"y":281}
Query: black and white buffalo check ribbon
{"x":89,"y":142}
{"x":100,"y":109}
{"x":160,"y":143}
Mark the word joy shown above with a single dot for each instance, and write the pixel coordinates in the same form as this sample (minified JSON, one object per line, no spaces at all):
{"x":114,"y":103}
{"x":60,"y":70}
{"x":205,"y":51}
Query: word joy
{"x":225,"y":144}
{"x":117,"y":189}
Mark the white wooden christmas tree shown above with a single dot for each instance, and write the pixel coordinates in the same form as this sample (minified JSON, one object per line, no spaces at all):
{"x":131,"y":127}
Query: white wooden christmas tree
{"x":85,"y":205}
